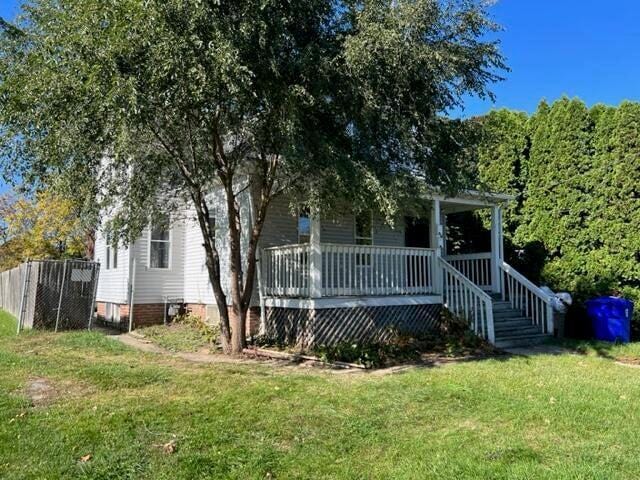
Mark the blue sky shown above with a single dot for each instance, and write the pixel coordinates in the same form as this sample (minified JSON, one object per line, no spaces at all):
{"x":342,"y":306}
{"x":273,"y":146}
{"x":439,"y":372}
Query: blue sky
{"x":584,"y":48}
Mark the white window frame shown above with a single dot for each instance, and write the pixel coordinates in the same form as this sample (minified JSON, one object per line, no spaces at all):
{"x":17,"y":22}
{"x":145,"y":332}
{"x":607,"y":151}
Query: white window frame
{"x":170,"y":242}
{"x":356,"y":237}
{"x":110,"y":253}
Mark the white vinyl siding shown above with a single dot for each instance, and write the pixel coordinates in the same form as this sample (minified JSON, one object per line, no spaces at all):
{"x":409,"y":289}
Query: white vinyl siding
{"x":153,"y":285}
{"x":197,"y":288}
{"x":113,"y":284}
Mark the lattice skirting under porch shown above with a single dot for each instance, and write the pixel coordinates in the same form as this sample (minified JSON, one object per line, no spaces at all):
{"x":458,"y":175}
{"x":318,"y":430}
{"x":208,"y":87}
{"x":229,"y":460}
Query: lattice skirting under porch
{"x":329,"y":326}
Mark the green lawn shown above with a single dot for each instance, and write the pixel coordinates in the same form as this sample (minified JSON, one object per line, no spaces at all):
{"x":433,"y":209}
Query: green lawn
{"x":8,"y":324}
{"x":567,"y":416}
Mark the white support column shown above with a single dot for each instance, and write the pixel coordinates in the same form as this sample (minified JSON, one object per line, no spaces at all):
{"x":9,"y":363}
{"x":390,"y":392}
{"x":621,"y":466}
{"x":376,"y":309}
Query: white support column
{"x":496,"y":248}
{"x":443,"y":227}
{"x":437,"y":242}
{"x":315,"y":259}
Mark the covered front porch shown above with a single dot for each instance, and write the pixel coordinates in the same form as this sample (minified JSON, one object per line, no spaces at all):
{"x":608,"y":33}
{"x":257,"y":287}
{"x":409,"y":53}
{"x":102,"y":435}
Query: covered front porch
{"x":387,"y":279}
{"x":406,"y":265}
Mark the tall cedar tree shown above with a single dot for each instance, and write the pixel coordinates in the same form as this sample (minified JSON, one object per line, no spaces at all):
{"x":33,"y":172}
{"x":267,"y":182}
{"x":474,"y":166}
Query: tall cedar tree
{"x":557,"y":201}
{"x":501,"y":154}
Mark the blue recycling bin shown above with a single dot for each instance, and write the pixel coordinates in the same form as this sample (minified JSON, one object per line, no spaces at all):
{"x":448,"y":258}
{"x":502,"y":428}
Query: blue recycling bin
{"x":610,"y":318}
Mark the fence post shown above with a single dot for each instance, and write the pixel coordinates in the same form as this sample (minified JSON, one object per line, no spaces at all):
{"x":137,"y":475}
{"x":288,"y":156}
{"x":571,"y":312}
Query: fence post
{"x":96,"y":277}
{"x":64,"y":274}
{"x":25,"y":292}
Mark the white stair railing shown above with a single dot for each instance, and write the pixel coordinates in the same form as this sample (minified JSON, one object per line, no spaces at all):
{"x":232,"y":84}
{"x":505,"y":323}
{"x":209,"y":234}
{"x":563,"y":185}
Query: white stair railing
{"x":475,"y":266}
{"x":525,"y":296}
{"x":466,"y":300}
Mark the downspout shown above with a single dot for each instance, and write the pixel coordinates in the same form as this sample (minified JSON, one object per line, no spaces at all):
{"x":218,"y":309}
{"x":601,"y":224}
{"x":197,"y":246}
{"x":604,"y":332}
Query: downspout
{"x":258,"y":270}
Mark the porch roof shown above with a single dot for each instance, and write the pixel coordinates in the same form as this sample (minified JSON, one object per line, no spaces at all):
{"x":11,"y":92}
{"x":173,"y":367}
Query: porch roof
{"x":469,"y":200}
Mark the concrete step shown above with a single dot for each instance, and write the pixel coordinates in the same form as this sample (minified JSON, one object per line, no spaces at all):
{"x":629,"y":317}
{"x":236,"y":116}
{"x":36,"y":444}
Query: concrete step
{"x":521,"y":340}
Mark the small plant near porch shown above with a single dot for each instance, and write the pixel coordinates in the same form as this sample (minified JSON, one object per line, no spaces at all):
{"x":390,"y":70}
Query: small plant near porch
{"x":451,"y":340}
{"x":186,"y":333}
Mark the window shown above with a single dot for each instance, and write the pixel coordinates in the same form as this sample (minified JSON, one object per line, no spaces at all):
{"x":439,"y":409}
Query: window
{"x":364,"y":229}
{"x":159,"y":244}
{"x":363,"y":236}
{"x":304,"y":227}
{"x":114,"y":261}
{"x":112,"y":313}
{"x":111,"y":253}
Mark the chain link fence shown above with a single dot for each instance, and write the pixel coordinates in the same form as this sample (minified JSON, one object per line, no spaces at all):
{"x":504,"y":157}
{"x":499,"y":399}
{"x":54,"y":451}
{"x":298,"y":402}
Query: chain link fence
{"x":51,"y":294}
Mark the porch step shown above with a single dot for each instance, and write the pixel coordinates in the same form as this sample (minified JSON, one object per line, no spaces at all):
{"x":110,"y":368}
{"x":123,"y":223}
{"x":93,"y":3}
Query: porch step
{"x":511,"y":322}
{"x":512,"y":341}
{"x":502,"y":331}
{"x":512,"y":329}
{"x":499,"y":314}
{"x":500,"y":305}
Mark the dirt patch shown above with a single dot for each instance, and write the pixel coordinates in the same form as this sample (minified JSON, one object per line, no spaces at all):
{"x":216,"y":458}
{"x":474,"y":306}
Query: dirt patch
{"x":629,"y":361}
{"x":41,"y":391}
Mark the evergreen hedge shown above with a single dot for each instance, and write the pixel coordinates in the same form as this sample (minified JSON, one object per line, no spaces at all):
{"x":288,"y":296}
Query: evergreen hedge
{"x":575,"y":173}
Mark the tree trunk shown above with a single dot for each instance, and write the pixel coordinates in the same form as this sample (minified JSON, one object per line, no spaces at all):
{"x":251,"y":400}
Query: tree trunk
{"x":238,"y":330}
{"x":213,"y":268}
{"x":238,"y":310}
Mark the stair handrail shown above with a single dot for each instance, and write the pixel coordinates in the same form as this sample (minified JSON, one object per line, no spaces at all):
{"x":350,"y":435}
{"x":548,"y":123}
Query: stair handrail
{"x":537,"y":305}
{"x":463,"y":300}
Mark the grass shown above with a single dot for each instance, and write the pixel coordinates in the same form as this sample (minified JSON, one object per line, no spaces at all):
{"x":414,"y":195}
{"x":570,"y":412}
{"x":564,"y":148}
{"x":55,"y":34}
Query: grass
{"x":626,"y":353}
{"x":8,"y":324}
{"x":565,"y":416}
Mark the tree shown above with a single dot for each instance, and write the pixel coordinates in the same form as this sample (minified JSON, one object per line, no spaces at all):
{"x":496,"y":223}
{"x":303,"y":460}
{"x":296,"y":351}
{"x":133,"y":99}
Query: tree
{"x":501,"y":153}
{"x":557,"y":203}
{"x":157,"y":102}
{"x":619,"y":191}
{"x":46,"y":227}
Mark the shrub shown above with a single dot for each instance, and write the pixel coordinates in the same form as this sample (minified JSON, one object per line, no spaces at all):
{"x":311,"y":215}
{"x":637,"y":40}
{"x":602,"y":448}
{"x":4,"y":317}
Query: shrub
{"x":210,"y":333}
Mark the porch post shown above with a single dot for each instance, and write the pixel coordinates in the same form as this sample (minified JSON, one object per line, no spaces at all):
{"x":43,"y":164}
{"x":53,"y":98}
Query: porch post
{"x":315,"y":259}
{"x":436,"y":243}
{"x":496,"y":249}
{"x":443,"y":227}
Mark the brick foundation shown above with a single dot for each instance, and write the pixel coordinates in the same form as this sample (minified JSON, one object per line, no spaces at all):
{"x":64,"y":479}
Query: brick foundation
{"x":101,"y":310}
{"x":201,"y":310}
{"x":145,"y":314}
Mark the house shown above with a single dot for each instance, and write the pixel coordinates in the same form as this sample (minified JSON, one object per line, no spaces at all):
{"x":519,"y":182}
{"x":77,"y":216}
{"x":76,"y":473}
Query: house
{"x":344,"y":277}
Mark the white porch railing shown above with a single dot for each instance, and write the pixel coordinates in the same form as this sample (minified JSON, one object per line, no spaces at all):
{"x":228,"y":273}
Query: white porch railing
{"x":475,"y":266}
{"x":348,"y":270}
{"x":285,"y":270}
{"x":525,"y":296}
{"x":466,"y":300}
